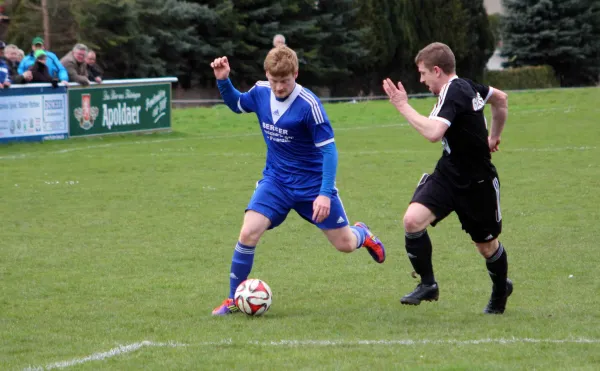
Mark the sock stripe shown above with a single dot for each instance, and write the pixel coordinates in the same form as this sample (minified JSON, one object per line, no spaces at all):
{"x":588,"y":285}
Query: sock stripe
{"x":360,"y":238}
{"x":415,"y":235}
{"x":497,"y":255}
{"x":244,"y":250}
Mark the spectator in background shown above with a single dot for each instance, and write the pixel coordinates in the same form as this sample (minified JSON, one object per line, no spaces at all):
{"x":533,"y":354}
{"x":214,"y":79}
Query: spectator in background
{"x":11,"y":53}
{"x":20,"y":55}
{"x":74,"y":63}
{"x":278,"y":40}
{"x":55,"y":69}
{"x":4,"y":75}
{"x":94,"y":72}
{"x":40,"y":70}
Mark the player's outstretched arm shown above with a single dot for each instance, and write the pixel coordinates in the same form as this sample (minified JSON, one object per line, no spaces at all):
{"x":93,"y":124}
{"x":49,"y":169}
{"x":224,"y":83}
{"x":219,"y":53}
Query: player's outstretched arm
{"x":432,"y":130}
{"x":229,"y":93}
{"x":499,"y":102}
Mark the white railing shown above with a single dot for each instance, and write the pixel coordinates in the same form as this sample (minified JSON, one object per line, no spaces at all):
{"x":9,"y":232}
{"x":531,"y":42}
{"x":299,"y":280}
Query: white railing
{"x":104,"y":82}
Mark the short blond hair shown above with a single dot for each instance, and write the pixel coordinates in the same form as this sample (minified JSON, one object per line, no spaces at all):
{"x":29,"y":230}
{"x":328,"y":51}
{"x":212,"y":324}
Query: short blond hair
{"x":281,"y":61}
{"x":12,"y":47}
{"x":437,"y":54}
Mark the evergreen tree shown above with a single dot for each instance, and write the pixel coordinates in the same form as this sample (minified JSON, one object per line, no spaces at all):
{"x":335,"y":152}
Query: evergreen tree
{"x":387,"y":42}
{"x":341,"y":50}
{"x":112,"y":30}
{"x":495,"y":21}
{"x":443,"y":21}
{"x":479,"y":41}
{"x":257,"y":21}
{"x":564,"y":34}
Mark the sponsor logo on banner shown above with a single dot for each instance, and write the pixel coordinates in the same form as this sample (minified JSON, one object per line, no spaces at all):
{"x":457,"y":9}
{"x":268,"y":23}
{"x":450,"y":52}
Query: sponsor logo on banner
{"x":53,"y":104}
{"x":86,"y":114}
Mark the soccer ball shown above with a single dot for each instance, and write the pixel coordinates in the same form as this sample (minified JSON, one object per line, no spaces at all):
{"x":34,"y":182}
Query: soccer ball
{"x":253,"y":297}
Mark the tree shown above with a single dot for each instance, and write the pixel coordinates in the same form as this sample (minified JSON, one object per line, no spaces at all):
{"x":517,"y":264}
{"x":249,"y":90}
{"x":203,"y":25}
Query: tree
{"x":257,"y":21}
{"x":564,"y":34}
{"x":387,"y":42}
{"x":340,"y":51}
{"x":443,"y":21}
{"x":495,"y":21}
{"x":479,"y":41}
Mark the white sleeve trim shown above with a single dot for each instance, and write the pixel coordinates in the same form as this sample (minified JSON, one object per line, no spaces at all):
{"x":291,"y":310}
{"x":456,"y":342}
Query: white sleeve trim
{"x":437,"y":118}
{"x":324,"y":143}
{"x":240,"y":106}
{"x":489,"y":95}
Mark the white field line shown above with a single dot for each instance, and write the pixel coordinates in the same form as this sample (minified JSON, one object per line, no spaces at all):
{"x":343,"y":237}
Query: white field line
{"x":567,"y":109}
{"x":123,"y":349}
{"x":408,"y":342}
{"x":84,"y":148}
{"x":261,"y":153}
{"x":121,"y":144}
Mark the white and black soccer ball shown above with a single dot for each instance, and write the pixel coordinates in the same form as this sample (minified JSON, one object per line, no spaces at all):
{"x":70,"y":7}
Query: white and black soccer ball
{"x":253,"y":297}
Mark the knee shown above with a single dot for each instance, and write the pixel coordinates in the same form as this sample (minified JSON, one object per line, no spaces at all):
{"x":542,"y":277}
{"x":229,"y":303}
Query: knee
{"x":345,"y":245}
{"x":249,"y":235}
{"x":487,"y":249}
{"x":412,"y":223}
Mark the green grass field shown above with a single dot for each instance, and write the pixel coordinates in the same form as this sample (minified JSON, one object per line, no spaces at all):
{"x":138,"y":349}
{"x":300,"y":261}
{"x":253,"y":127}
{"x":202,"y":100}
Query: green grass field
{"x":110,"y":242}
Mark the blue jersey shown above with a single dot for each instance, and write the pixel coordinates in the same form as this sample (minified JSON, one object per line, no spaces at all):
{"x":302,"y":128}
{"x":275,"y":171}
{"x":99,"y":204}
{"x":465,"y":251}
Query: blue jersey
{"x":293,"y":130}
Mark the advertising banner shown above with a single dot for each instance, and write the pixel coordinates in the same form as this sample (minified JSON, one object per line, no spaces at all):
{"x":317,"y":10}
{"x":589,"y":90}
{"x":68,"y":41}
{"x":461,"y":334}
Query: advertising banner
{"x":105,"y":109}
{"x":33,"y":114}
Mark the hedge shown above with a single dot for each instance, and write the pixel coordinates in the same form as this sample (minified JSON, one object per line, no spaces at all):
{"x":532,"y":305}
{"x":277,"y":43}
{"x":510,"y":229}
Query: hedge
{"x":531,"y":77}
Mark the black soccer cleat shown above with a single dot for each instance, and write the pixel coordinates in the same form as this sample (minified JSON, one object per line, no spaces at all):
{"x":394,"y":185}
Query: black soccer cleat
{"x":421,"y":293}
{"x":497,"y":304}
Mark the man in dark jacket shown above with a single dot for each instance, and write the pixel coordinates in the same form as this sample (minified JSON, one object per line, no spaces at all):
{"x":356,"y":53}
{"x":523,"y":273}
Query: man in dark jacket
{"x":94,"y":71}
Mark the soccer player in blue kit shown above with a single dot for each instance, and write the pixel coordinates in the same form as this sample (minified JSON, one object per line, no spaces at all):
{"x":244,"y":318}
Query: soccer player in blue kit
{"x":300,"y":169}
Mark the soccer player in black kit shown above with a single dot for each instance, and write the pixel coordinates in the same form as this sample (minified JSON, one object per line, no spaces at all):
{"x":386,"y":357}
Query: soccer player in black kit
{"x":465,"y":180}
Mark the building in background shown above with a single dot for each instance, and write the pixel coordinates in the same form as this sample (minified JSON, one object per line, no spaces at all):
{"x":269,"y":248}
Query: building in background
{"x":493,"y":6}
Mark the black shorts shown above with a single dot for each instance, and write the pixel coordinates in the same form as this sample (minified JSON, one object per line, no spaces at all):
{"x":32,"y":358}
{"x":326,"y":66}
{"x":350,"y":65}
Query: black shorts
{"x":477,"y":207}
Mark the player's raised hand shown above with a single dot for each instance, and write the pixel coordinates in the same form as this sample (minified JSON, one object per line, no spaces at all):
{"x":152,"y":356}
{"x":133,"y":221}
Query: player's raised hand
{"x":398,"y":95}
{"x":321,"y":208}
{"x":494,"y":144}
{"x":221,"y":68}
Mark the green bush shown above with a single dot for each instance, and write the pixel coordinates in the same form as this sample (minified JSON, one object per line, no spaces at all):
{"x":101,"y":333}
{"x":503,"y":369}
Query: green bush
{"x":532,"y":77}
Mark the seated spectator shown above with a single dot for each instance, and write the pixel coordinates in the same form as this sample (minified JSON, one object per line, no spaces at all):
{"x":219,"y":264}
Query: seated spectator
{"x":40,"y":71}
{"x":11,"y":53}
{"x":4,"y":75}
{"x":94,"y":71}
{"x":74,"y":63}
{"x":55,"y":69}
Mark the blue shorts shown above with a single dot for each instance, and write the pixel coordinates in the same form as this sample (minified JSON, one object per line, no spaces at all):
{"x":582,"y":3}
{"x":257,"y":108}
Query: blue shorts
{"x":275,"y":201}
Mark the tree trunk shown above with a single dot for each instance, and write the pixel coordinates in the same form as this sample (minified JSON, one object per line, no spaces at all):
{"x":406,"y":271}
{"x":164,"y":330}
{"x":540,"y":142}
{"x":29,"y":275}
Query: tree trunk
{"x":46,"y":20}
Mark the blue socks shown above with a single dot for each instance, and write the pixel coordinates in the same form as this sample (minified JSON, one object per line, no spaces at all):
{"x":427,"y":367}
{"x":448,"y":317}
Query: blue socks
{"x":243,"y":258}
{"x":361,"y":235}
{"x":241,"y":265}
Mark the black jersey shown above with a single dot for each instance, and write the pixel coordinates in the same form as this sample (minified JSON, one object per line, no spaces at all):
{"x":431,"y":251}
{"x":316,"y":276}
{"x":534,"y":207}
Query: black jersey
{"x":466,"y":155}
